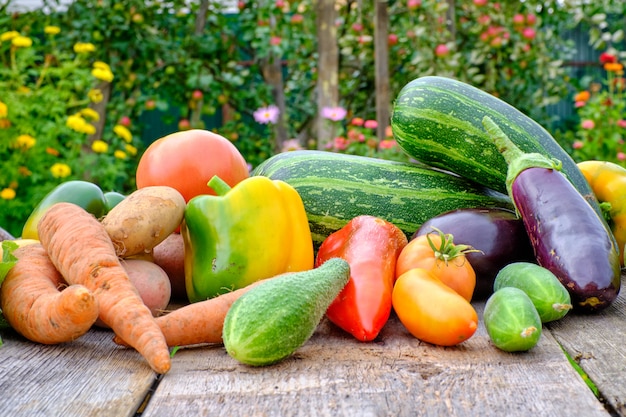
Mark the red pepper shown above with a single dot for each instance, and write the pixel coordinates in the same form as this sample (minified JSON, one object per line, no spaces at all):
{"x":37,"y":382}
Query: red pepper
{"x":371,"y":247}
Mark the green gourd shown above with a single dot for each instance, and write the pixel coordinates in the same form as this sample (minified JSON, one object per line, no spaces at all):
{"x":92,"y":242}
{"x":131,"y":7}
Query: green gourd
{"x":550,"y":297}
{"x":512,"y":321}
{"x":272,"y":320}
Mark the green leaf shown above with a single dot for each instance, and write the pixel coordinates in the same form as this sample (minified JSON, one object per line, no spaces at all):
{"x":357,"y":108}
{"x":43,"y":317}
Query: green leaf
{"x":8,"y":259}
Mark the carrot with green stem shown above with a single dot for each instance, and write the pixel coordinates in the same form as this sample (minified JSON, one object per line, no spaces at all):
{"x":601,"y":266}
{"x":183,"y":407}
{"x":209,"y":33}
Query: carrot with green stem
{"x":81,"y":249}
{"x":39,"y":305}
{"x":198,"y":323}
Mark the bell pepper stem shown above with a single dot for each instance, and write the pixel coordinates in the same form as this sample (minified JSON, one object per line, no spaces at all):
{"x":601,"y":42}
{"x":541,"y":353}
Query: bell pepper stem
{"x":219,"y":185}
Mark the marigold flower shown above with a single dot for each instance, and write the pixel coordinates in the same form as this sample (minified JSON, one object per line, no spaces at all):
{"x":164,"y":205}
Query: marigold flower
{"x":90,"y":113}
{"x":7,"y":194}
{"x":24,"y":171}
{"x":123,"y":132}
{"x":52,"y":151}
{"x":119,"y":154}
{"x":8,"y":36}
{"x":334,"y":113}
{"x":22,"y":42}
{"x":95,"y":95}
{"x":84,"y":47}
{"x":60,"y":170}
{"x":80,"y":125}
{"x":4,"y":110}
{"x":267,"y":114}
{"x":582,"y":96}
{"x":102,"y":74}
{"x":52,"y":30}
{"x":99,"y":146}
{"x":25,"y":142}
{"x":130,"y":149}
{"x":613,"y":67}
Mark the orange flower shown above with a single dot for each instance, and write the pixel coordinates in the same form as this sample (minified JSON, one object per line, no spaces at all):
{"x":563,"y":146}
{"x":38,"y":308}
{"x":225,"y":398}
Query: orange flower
{"x":52,"y":151}
{"x":582,"y":96}
{"x":613,"y":67}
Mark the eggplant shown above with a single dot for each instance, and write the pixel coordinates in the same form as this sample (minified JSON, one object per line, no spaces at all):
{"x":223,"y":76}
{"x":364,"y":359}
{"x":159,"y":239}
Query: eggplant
{"x":567,"y":235}
{"x":498,"y":234}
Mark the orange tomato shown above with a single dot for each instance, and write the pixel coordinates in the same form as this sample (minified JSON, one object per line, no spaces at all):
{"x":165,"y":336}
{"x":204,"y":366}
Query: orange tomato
{"x":431,"y":311}
{"x":187,"y":160}
{"x":446,"y":261}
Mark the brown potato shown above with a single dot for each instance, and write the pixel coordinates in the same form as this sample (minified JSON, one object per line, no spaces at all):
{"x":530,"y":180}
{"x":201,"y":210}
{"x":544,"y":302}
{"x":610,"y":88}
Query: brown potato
{"x":144,"y":219}
{"x":170,"y":255}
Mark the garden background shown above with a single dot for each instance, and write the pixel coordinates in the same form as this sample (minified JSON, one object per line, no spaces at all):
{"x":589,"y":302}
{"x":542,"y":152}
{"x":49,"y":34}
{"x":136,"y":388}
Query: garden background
{"x":85,"y":87}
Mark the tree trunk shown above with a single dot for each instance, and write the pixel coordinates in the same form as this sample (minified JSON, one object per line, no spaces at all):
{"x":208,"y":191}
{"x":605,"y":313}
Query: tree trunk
{"x":327,"y":69}
{"x":196,"y":111}
{"x":273,"y":75}
{"x":381,"y":63}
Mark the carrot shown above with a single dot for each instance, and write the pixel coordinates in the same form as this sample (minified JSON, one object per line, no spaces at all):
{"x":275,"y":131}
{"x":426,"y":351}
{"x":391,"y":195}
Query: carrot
{"x":81,"y":249}
{"x":35,"y":307}
{"x":197,"y":323}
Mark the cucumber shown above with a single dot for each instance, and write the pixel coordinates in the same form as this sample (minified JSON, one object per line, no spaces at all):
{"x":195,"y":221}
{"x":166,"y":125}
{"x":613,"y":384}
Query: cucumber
{"x":438,"y":121}
{"x":336,"y":188}
{"x":549,"y":296}
{"x":272,"y":320}
{"x":512,"y":321}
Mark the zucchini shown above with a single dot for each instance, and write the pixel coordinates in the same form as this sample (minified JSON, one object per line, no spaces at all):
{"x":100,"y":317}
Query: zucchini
{"x":336,"y":188}
{"x":438,"y":121}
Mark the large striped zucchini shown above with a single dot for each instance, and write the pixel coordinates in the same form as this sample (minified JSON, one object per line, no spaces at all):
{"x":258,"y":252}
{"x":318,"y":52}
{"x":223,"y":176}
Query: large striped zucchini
{"x":438,"y":121}
{"x":336,"y":188}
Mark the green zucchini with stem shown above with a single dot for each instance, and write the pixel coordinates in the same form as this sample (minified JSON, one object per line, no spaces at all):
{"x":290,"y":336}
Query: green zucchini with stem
{"x":335,"y":188}
{"x":438,"y":121}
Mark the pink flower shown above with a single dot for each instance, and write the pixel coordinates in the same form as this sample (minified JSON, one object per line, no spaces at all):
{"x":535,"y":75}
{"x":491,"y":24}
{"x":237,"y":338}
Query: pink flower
{"x":621,"y":156}
{"x":587,"y":124}
{"x":480,"y":2}
{"x":387,"y":144}
{"x":334,"y":113}
{"x":413,"y":4}
{"x":441,"y":50}
{"x":577,"y":144}
{"x":370,"y":124}
{"x":267,"y":114}
{"x":519,"y":19}
{"x":297,"y":18}
{"x":529,"y":33}
{"x":357,"y":121}
{"x":340,"y":143}
{"x":275,"y":40}
{"x":579,"y":104}
{"x":621,"y":123}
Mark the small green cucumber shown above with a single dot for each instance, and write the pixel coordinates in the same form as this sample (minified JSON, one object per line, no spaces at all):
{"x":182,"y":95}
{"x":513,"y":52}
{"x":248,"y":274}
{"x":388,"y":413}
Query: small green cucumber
{"x":272,"y":320}
{"x":512,"y":321}
{"x":550,"y":297}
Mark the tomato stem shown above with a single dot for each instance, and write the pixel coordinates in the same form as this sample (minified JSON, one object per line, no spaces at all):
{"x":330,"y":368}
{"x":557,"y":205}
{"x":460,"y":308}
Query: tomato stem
{"x":448,"y":250}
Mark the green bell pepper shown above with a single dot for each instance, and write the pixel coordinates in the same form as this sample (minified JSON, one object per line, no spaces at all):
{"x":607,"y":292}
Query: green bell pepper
{"x":256,"y":230}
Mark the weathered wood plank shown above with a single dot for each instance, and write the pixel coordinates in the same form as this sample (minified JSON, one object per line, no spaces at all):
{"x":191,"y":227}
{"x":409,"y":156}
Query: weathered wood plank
{"x":598,"y":343}
{"x":90,"y":376}
{"x":334,"y":375}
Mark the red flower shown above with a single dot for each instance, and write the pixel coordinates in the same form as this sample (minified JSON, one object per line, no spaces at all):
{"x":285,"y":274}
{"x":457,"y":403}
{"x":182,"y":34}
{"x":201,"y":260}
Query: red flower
{"x":606,"y":58}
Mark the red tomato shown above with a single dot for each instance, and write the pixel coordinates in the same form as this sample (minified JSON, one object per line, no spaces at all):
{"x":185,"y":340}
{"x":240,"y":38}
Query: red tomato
{"x":187,"y":160}
{"x":431,"y":311}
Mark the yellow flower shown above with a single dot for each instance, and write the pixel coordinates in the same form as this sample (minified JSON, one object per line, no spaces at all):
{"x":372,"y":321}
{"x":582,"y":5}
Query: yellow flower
{"x":7,"y":36}
{"x":89,"y":129}
{"x":21,"y":42}
{"x":60,"y":170}
{"x":84,"y":47}
{"x":95,"y":95}
{"x":4,"y":110}
{"x":130,"y":149}
{"x":52,"y":30}
{"x":25,"y":142}
{"x":102,"y":74}
{"x":77,"y":123}
{"x":90,"y":114}
{"x":101,"y":65}
{"x":119,"y":154}
{"x":123,"y":132}
{"x":7,"y":194}
{"x":99,"y":146}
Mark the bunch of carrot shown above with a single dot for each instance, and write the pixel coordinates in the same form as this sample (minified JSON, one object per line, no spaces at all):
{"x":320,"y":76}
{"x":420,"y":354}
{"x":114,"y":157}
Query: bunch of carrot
{"x":59,"y":287}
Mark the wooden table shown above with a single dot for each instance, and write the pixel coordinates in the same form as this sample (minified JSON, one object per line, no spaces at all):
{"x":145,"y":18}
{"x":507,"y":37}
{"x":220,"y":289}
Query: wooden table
{"x":331,"y":375}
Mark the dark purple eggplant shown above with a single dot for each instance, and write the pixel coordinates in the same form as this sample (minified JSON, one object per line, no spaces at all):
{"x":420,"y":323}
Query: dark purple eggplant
{"x":498,"y":234}
{"x":567,"y":235}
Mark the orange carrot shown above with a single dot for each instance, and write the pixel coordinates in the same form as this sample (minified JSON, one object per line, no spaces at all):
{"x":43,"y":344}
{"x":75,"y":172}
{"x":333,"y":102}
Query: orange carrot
{"x":81,"y":249}
{"x":198,"y":323}
{"x":35,"y":304}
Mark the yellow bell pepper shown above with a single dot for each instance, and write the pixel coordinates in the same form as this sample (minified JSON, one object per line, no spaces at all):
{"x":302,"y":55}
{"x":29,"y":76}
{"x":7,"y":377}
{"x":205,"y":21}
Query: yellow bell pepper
{"x":608,"y":182}
{"x":255,"y":230}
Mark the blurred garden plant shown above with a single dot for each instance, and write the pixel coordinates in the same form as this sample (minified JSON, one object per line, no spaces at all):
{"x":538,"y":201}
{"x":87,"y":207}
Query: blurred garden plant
{"x":601,"y":108}
{"x":48,"y":123}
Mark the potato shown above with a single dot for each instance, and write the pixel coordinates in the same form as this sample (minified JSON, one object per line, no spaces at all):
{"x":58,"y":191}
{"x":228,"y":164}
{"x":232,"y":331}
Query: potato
{"x":144,"y":219}
{"x":170,"y":255}
{"x":151,"y":282}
